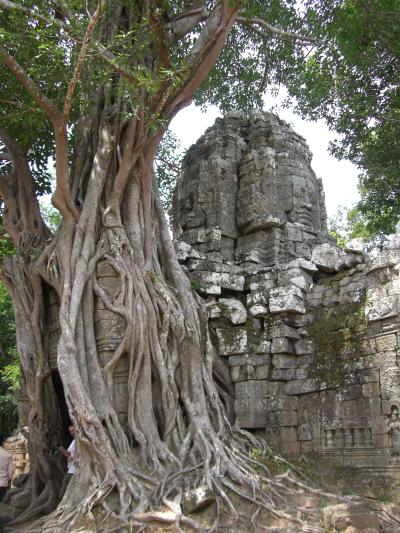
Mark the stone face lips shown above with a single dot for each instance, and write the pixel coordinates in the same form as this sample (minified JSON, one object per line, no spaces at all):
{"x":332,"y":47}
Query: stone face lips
{"x":250,"y":231}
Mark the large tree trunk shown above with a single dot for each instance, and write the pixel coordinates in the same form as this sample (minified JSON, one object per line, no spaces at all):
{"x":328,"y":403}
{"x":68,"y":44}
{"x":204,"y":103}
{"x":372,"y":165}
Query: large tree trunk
{"x":133,"y":354}
{"x":143,"y":399}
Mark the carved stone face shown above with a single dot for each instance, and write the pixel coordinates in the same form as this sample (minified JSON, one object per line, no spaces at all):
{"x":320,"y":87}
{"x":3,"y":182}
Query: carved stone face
{"x":394,"y":414}
{"x":305,"y":200}
{"x":252,"y":180}
{"x":191,"y":213}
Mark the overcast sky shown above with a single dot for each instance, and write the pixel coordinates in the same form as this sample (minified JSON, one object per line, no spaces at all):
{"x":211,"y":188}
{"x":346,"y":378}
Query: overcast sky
{"x":339,"y":177}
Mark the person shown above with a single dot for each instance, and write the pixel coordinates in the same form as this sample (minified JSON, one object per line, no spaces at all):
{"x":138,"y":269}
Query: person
{"x":69,"y":455}
{"x":5,"y":470}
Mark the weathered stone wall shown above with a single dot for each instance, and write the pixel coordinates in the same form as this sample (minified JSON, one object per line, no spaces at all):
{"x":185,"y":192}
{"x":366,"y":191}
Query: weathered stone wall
{"x":250,"y":229}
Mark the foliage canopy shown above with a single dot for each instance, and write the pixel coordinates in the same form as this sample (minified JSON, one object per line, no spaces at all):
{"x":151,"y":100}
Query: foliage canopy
{"x":351,"y":80}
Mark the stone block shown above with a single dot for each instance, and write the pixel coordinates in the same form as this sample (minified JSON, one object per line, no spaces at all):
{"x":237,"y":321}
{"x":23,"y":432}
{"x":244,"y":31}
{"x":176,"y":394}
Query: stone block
{"x":286,"y":276}
{"x":308,"y":266}
{"x":259,"y":297}
{"x":380,"y":306}
{"x":263,"y":281}
{"x":301,"y":283}
{"x":252,"y":389}
{"x":288,"y":434}
{"x":370,"y":390}
{"x":213,"y":282}
{"x":306,"y":447}
{"x":272,"y":437}
{"x":182,"y":250}
{"x":302,"y":373}
{"x":386,"y":343}
{"x":290,"y":449}
{"x":262,"y":372}
{"x":282,"y":403}
{"x":213,"y":310}
{"x":348,"y":410}
{"x":364,"y":407}
{"x":283,"y":330}
{"x":330,"y":258}
{"x":282,"y":345}
{"x":301,"y":386}
{"x":381,"y":425}
{"x":368,"y":346}
{"x":390,"y":382}
{"x":251,"y":412}
{"x":283,"y":374}
{"x":286,"y":300}
{"x":243,"y":373}
{"x":258,"y":310}
{"x":206,"y":282}
{"x":368,"y":376}
{"x":284,"y":361}
{"x":272,"y":420}
{"x":382,"y":440}
{"x":351,"y":392}
{"x":303,"y":346}
{"x":247,"y":359}
{"x":233,"y":310}
{"x":259,"y":342}
{"x":233,"y":282}
{"x":232,"y":341}
{"x":247,"y":372}
{"x":355,"y":246}
{"x":287,"y":418}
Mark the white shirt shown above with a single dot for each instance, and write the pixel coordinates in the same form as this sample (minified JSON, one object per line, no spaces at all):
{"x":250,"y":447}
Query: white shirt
{"x":71,"y":462}
{"x":5,"y":467}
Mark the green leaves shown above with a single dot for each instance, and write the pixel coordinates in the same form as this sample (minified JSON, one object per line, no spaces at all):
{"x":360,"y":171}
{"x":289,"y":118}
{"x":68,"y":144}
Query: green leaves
{"x":167,"y":166}
{"x":254,"y":60}
{"x":352,"y":81}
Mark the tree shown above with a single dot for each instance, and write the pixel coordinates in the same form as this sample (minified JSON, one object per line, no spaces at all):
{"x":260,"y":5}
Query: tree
{"x":167,"y":167}
{"x":108,"y":78}
{"x":351,"y":80}
{"x":350,"y":223}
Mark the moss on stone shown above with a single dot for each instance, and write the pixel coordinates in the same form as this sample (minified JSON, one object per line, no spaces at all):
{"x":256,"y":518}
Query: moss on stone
{"x":337,"y":342}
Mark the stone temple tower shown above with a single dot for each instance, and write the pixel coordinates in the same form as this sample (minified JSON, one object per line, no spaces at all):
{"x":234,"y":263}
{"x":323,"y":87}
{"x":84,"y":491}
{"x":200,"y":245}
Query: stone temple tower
{"x":250,"y":179}
{"x":283,"y":300}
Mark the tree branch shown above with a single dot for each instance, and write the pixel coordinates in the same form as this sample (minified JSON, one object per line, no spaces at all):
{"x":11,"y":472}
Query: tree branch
{"x":204,"y":53}
{"x":6,"y":4}
{"x":171,"y":166}
{"x":5,"y":156}
{"x":10,"y":102}
{"x":111,"y":59}
{"x":80,"y":62}
{"x":254,"y":22}
{"x":29,"y":85}
{"x":21,"y":193}
{"x":186,"y":22}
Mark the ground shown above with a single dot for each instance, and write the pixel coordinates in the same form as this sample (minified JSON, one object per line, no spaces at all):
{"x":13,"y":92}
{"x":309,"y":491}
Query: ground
{"x":330,"y":498}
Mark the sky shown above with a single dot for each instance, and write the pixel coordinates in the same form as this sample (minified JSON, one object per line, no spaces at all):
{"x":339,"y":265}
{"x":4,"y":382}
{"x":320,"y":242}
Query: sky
{"x":339,"y":177}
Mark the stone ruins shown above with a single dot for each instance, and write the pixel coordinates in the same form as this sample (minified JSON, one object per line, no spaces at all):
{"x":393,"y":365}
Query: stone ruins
{"x":310,"y":332}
